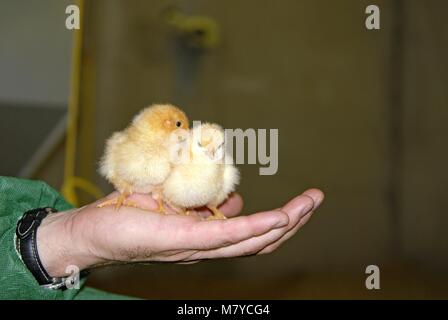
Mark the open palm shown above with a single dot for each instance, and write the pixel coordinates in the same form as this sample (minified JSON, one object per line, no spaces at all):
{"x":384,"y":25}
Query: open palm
{"x":107,"y":236}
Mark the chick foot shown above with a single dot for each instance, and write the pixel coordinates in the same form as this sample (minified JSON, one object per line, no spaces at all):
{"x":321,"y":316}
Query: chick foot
{"x":183,"y":212}
{"x":119,"y":201}
{"x":161,"y":209}
{"x":217,"y":214}
{"x":179,"y":210}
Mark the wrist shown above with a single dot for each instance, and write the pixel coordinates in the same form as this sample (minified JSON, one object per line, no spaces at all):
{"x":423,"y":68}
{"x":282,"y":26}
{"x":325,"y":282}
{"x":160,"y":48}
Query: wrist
{"x":61,"y":246}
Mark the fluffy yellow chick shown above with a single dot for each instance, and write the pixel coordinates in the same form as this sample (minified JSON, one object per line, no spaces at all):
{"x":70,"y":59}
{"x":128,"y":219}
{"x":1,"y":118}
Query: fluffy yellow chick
{"x":203,"y":177}
{"x":137,"y":159}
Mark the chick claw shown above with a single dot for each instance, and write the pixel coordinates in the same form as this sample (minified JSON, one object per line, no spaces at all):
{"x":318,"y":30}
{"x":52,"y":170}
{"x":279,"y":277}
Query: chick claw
{"x":180,"y":211}
{"x":183,"y":212}
{"x":119,"y":202}
{"x":161,"y":208}
{"x":217,"y":214}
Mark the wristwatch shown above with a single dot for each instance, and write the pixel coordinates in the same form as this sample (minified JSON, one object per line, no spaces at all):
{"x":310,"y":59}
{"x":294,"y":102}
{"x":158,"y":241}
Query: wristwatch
{"x":26,"y":234}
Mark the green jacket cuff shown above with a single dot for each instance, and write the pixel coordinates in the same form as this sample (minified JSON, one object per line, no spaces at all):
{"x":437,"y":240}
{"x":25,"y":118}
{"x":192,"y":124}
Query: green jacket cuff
{"x":16,"y":197}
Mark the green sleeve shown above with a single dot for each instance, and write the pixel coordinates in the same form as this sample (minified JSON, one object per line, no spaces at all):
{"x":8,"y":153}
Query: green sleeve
{"x":16,"y":282}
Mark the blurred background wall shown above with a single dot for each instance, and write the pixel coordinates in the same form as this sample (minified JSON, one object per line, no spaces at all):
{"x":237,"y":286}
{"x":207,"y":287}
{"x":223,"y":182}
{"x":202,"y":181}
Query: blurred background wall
{"x":34,"y":71}
{"x":361,"y":114}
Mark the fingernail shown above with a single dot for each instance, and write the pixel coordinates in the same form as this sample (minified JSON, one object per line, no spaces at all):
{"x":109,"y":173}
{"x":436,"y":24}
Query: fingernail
{"x":318,"y":202}
{"x":316,"y":195}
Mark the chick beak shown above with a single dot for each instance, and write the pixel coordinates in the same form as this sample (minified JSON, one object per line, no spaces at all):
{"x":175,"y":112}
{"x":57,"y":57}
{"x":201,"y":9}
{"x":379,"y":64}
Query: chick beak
{"x":210,"y":151}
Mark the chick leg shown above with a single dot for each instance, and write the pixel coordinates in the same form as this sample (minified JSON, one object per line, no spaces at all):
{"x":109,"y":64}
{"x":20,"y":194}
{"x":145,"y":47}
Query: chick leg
{"x":119,"y":201}
{"x":217,"y":214}
{"x":158,"y":197}
{"x":181,"y":211}
{"x":161,"y":208}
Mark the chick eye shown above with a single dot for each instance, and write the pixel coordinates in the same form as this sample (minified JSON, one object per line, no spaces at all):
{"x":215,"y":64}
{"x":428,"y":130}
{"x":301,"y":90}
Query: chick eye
{"x":178,"y":124}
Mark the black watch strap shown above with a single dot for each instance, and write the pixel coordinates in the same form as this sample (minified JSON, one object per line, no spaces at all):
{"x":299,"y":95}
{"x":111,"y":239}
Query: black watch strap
{"x":26,"y":233}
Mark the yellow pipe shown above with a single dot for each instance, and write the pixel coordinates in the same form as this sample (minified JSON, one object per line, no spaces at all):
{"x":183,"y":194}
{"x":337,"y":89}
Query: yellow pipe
{"x":71,"y":182}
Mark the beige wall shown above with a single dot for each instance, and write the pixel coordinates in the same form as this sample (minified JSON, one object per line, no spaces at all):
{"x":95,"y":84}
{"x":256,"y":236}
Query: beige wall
{"x":426,"y":134}
{"x":312,"y":70}
{"x":308,"y":68}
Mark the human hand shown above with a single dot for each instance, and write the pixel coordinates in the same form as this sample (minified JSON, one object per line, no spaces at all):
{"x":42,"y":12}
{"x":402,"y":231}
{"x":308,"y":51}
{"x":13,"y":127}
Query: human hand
{"x":89,"y":236}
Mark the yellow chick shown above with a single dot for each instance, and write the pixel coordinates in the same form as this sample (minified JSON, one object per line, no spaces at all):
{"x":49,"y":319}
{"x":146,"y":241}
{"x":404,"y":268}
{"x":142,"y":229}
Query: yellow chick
{"x":137,"y":159}
{"x":205,"y":177}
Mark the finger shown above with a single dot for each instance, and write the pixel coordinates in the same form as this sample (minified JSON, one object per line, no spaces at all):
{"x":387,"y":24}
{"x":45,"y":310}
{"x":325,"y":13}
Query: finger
{"x":295,"y":224}
{"x":145,"y":201}
{"x":257,"y":245}
{"x":317,"y":196}
{"x":312,"y":197}
{"x":231,"y":207}
{"x":243,"y":248}
{"x":276,"y":244}
{"x":204,"y":235}
{"x":296,"y":208}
